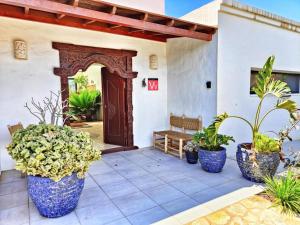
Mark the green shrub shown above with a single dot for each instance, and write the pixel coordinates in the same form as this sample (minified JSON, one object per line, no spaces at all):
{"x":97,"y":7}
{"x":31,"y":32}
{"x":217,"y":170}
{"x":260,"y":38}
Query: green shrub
{"x":285,"y":193}
{"x":265,"y":144}
{"x":52,"y":151}
{"x":208,"y":139}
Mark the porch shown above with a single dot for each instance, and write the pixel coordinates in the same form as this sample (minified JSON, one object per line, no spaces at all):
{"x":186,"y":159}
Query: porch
{"x":135,"y":187}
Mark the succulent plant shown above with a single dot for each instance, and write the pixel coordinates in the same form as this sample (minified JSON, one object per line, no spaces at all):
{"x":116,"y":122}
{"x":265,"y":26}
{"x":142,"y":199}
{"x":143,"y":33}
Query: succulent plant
{"x":52,"y":151}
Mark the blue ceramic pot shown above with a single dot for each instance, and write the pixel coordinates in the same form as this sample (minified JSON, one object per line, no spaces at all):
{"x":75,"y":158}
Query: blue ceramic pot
{"x":55,"y":199}
{"x":212,"y":161}
{"x":191,"y":157}
{"x":267,"y":164}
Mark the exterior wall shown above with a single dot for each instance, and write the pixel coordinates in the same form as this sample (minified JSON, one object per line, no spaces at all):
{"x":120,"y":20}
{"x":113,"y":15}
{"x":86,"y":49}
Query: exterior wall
{"x":22,"y":79}
{"x":245,"y":43}
{"x":191,"y":63}
{"x":207,"y":14}
{"x":156,"y":6}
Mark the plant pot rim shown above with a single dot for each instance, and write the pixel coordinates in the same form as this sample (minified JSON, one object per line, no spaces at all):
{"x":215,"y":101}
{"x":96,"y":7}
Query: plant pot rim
{"x":257,"y":153}
{"x":48,"y":178}
{"x":220,"y":150}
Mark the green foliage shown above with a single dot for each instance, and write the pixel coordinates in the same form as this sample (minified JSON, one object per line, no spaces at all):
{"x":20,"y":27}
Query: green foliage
{"x":285,"y":193}
{"x":52,"y":151}
{"x":81,"y":80}
{"x":266,"y":85}
{"x":211,"y":140}
{"x":265,"y":144}
{"x":83,"y":102}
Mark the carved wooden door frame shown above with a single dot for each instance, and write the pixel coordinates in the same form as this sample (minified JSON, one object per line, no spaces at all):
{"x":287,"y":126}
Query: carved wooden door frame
{"x":77,"y":57}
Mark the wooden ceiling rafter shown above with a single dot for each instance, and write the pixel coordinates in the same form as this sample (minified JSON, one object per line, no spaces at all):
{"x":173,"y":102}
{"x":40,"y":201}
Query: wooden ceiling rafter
{"x":106,"y":17}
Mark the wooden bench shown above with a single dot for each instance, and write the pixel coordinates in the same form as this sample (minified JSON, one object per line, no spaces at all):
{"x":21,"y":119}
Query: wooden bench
{"x":172,"y":141}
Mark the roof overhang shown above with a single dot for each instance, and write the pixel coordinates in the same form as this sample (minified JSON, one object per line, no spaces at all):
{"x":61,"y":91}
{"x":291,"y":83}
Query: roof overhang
{"x":106,"y":17}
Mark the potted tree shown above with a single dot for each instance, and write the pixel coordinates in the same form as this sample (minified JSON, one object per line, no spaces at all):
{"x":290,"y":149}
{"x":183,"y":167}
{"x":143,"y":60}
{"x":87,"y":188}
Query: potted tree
{"x":212,"y":154}
{"x":261,"y":157}
{"x":191,"y":152}
{"x":55,"y":158}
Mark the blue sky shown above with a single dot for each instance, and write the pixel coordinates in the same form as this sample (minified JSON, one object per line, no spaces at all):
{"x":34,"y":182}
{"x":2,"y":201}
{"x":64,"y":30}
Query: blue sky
{"x":286,"y":8}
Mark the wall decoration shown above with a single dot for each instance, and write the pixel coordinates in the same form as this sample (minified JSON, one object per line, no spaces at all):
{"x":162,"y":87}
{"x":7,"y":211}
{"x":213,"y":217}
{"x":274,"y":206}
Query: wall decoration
{"x":153,"y":62}
{"x":20,"y":49}
{"x":153,"y":84}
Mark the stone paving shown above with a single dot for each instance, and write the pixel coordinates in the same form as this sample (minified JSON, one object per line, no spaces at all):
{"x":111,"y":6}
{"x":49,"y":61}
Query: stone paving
{"x":127,"y":188}
{"x":251,"y":211}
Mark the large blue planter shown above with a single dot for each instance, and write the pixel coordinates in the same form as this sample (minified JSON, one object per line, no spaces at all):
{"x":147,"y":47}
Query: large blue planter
{"x":267,"y":164}
{"x":55,"y":199}
{"x":212,"y":161}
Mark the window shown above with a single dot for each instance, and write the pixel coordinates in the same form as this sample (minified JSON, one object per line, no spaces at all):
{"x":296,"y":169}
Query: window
{"x":291,"y":78}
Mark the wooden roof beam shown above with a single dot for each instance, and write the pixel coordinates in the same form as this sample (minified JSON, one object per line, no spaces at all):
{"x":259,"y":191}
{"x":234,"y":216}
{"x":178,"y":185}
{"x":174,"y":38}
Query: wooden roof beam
{"x":73,"y":3}
{"x":113,"y":10}
{"x":26,"y":10}
{"x":170,"y":23}
{"x":87,"y":22}
{"x":145,"y":17}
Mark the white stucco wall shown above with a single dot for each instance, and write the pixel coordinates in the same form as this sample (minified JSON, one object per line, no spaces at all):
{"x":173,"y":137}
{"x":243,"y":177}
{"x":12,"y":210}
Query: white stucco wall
{"x":242,"y":44}
{"x":156,"y":6}
{"x":191,"y":63}
{"x":22,"y":79}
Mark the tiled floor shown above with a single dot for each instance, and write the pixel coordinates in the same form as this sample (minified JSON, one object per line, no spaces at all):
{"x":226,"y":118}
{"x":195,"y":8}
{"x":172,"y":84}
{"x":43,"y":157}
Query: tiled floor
{"x":137,"y":187}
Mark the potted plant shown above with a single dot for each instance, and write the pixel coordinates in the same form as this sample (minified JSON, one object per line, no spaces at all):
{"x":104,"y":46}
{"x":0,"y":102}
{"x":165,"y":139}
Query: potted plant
{"x":55,"y":158}
{"x":191,"y":152}
{"x":212,"y":155}
{"x":254,"y":159}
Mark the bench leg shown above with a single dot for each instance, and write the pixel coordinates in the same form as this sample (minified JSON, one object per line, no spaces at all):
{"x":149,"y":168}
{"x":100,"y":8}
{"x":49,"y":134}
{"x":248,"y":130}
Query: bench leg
{"x":166,"y":144}
{"x":154,"y":137}
{"x":180,"y":148}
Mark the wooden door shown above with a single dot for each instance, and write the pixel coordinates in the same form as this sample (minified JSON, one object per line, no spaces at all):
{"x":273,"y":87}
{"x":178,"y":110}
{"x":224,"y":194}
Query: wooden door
{"x":114,"y":114}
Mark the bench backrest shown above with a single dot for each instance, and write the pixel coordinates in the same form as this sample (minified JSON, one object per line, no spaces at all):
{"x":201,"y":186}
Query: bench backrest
{"x":13,"y":128}
{"x":185,"y":123}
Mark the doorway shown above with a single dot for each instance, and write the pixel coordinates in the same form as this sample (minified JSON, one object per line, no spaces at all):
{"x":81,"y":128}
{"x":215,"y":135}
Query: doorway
{"x":117,"y":75}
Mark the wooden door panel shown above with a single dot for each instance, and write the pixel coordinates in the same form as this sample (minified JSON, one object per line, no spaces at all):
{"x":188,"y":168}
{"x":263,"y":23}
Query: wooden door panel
{"x":113,"y":89}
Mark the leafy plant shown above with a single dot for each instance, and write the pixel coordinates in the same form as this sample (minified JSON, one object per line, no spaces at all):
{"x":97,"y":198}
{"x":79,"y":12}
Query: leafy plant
{"x":83,"y":102}
{"x":285,"y":193}
{"x":191,"y":146}
{"x":81,"y":80}
{"x":52,"y":151}
{"x":209,"y":138}
{"x":265,"y":144}
{"x":266,"y":85}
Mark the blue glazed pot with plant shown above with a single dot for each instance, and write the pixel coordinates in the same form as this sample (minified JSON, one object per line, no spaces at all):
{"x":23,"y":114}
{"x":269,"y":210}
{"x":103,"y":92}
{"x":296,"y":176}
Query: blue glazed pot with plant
{"x":191,"y":152}
{"x":261,"y":157}
{"x":212,"y":156}
{"x":55,"y":158}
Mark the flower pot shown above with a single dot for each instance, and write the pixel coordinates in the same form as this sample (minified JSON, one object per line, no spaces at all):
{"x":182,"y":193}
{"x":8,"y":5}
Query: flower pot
{"x":212,"y":161}
{"x":267,"y":164}
{"x":55,"y":199}
{"x":191,"y":157}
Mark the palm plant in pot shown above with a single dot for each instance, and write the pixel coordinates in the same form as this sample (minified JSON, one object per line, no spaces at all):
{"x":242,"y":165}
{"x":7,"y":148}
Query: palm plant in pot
{"x":261,"y":157}
{"x":212,"y":154}
{"x":55,"y":158}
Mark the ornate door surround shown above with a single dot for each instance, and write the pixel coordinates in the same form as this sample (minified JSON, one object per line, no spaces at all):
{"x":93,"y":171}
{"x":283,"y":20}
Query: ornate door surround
{"x":77,"y":57}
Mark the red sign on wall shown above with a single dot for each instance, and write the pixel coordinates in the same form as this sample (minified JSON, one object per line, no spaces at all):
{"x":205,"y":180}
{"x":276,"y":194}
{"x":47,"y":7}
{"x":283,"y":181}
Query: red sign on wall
{"x":153,"y":84}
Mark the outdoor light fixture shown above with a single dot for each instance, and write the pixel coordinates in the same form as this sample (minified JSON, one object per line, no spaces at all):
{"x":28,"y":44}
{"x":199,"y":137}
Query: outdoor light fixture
{"x":153,"y":62}
{"x":20,"y":49}
{"x":208,"y":84}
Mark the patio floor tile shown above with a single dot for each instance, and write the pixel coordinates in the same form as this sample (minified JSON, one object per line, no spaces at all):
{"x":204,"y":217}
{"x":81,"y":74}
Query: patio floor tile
{"x":89,"y":183}
{"x":189,"y":185}
{"x":123,"y":221}
{"x":134,"y":203}
{"x":14,"y":216}
{"x":99,"y":167}
{"x":108,"y":178}
{"x":148,"y":217}
{"x":92,"y":196}
{"x":144,"y":182}
{"x":133,"y":172}
{"x":65,"y":220}
{"x":164,"y":193}
{"x":13,"y":200}
{"x":119,"y":189}
{"x":12,"y":187}
{"x":98,"y":214}
{"x":179,"y":205}
{"x":206,"y":195}
{"x":10,"y":176}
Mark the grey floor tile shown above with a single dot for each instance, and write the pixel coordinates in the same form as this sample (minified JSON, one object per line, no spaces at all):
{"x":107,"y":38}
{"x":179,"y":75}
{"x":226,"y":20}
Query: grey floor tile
{"x":169,"y":176}
{"x":189,"y":185}
{"x":133,"y":172}
{"x":108,"y":178}
{"x":206,"y":195}
{"x":179,"y":205}
{"x":92,"y":196}
{"x":233,"y":185}
{"x":114,"y":159}
{"x":122,"y":221}
{"x":65,"y":220}
{"x":13,"y":200}
{"x":12,"y":187}
{"x":144,"y":182}
{"x":148,"y":217}
{"x":89,"y":183}
{"x":134,"y":203}
{"x":164,"y":193}
{"x":14,"y":216}
{"x":98,"y":214}
{"x":10,"y":176}
{"x":34,"y":214}
{"x":118,"y":189}
{"x":99,"y":167}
